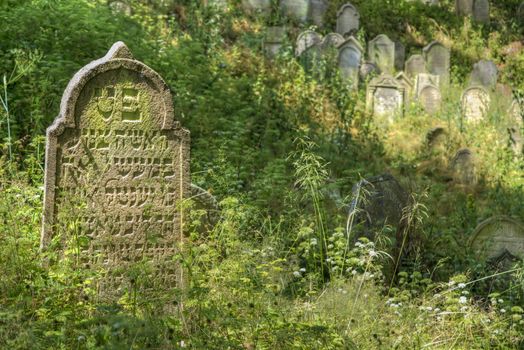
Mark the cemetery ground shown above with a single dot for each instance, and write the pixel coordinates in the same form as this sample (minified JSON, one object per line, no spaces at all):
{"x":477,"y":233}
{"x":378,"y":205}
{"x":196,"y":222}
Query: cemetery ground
{"x":295,"y":162}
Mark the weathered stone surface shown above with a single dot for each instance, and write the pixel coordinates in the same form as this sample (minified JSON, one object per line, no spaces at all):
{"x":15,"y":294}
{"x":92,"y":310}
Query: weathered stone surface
{"x":464,"y":7}
{"x":307,"y":40}
{"x":481,"y":11}
{"x":385,"y":98}
{"x":436,"y":139}
{"x":463,"y":167}
{"x":206,"y":207}
{"x":516,"y":141}
{"x":121,"y":7}
{"x":475,"y":103}
{"x":438,"y":61}
{"x":117,"y":166}
{"x":400,"y":55}
{"x":381,"y":51}
{"x":485,"y":73}
{"x":368,"y":70}
{"x":497,"y":237}
{"x":378,"y":201}
{"x":407,"y":83}
{"x":274,"y":40}
{"x":317,"y":10}
{"x":424,"y":79}
{"x":348,"y":20}
{"x":430,"y":99}
{"x":297,"y":10}
{"x":257,"y":6}
{"x":415,"y":65}
{"x":349,"y":59}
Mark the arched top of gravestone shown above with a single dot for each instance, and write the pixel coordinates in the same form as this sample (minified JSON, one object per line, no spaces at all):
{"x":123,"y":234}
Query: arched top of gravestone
{"x":386,"y":80}
{"x":382,"y":38}
{"x":430,"y":98}
{"x":475,"y":102}
{"x":484,"y":73}
{"x":434,"y":136}
{"x":415,"y":65}
{"x":351,"y":42}
{"x":305,"y":40}
{"x":348,"y":19}
{"x":332,"y":40}
{"x":347,"y":7}
{"x":118,"y":58}
{"x":433,"y":45}
{"x":497,"y":236}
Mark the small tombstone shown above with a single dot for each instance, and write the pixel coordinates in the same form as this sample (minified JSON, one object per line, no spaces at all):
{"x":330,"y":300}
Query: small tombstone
{"x":257,"y":6}
{"x":430,"y":99}
{"x":349,"y":59}
{"x":415,"y":65}
{"x":117,"y":166}
{"x":381,"y":51}
{"x":400,"y":55}
{"x":306,"y":40}
{"x":274,"y":40}
{"x":297,"y":10}
{"x":499,"y":238}
{"x":436,"y":139}
{"x":368,"y":70}
{"x":318,"y":9}
{"x":475,"y":103}
{"x":464,"y":7}
{"x":407,"y":83}
{"x":481,"y":11}
{"x":438,"y":61}
{"x":485,"y":73}
{"x":424,"y":79}
{"x":348,"y":20}
{"x":204,"y":202}
{"x":121,"y":7}
{"x":378,"y":201}
{"x":385,"y":97}
{"x":463,"y":167}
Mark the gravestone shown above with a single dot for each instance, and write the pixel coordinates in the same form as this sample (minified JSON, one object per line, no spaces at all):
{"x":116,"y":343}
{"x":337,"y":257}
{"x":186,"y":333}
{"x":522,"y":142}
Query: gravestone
{"x":378,"y":201}
{"x":349,"y":58}
{"x":121,"y":7}
{"x":257,"y":6}
{"x":368,"y":70}
{"x":464,"y":7}
{"x":307,"y":40}
{"x":430,"y":99}
{"x":407,"y":83}
{"x":385,"y":98}
{"x":117,"y":169}
{"x":498,"y":237}
{"x":481,"y":11}
{"x":475,"y":104}
{"x":296,"y":10}
{"x":436,"y":139}
{"x":485,"y":73}
{"x":463,"y":167}
{"x":438,"y":61}
{"x":317,"y":10}
{"x":400,"y":55}
{"x":332,"y":40}
{"x":415,"y":65}
{"x":348,"y":20}
{"x":424,"y":79}
{"x":274,"y":41}
{"x":381,"y":51}
{"x":206,"y":207}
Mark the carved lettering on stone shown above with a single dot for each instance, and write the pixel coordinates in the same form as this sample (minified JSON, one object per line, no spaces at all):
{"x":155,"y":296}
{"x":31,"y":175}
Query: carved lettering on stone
{"x":349,"y":58}
{"x":381,"y":51}
{"x":497,"y":237}
{"x":385,"y":98}
{"x":348,"y":20}
{"x":117,"y":166}
{"x":430,"y":99}
{"x":415,"y":65}
{"x":438,"y":61}
{"x":475,"y":104}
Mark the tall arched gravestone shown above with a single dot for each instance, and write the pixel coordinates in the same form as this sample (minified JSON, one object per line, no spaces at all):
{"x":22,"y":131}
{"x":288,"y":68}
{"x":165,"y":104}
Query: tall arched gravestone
{"x":117,"y":170}
{"x":381,"y":51}
{"x":430,"y":99}
{"x":475,"y":104}
{"x":481,"y":11}
{"x":349,"y":59}
{"x":348,"y":20}
{"x":438,"y":61}
{"x":499,"y":238}
{"x":464,"y":168}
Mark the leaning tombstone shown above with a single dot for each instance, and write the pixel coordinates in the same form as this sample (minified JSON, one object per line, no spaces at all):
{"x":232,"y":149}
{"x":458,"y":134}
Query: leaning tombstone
{"x":296,"y":10}
{"x":349,"y":58}
{"x":385,"y":98}
{"x":464,"y":7}
{"x":121,"y":7}
{"x":205,"y":207}
{"x":430,"y":99}
{"x":485,"y":73}
{"x":317,"y":10}
{"x":116,"y":174}
{"x":481,"y":11}
{"x":306,"y":40}
{"x":348,"y":20}
{"x":381,"y":51}
{"x":475,"y":104}
{"x":463,"y":168}
{"x":499,"y":238}
{"x":274,"y":41}
{"x":438,"y":61}
{"x":424,"y":79}
{"x":400,"y":55}
{"x":257,"y":6}
{"x":415,"y":65}
{"x":368,"y":70}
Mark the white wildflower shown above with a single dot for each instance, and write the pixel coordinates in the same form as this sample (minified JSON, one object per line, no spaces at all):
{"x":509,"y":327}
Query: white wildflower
{"x":297,"y":274}
{"x":461,"y":285}
{"x":463,"y":300}
{"x":503,"y":311}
